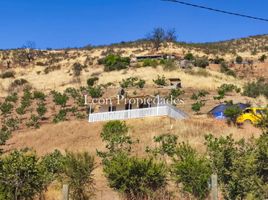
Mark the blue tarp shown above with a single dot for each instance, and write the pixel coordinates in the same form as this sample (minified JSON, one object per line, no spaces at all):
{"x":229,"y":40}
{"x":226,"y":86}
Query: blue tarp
{"x":218,"y":111}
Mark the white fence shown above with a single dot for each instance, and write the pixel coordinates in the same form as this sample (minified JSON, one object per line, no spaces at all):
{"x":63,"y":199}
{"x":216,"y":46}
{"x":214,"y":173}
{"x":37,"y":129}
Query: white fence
{"x":162,"y":110}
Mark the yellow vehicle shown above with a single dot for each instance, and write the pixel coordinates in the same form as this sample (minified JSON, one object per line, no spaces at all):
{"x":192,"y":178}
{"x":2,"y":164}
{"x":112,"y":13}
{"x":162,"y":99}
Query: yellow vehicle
{"x":251,"y":115}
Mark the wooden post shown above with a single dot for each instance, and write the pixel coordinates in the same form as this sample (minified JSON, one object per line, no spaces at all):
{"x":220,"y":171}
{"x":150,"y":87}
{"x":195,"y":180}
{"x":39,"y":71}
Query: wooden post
{"x":214,"y":186}
{"x":65,"y":192}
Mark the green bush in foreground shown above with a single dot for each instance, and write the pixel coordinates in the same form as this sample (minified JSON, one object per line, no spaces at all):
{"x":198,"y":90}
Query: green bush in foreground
{"x":78,"y":172}
{"x":135,"y":177}
{"x":192,"y":171}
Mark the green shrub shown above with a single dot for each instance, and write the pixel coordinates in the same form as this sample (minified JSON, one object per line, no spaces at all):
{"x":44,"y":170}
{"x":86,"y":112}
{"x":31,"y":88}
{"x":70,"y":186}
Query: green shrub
{"x":201,"y":62}
{"x":150,"y":63}
{"x":8,"y":74}
{"x":61,"y":116}
{"x":21,"y":176}
{"x":161,"y":81}
{"x":78,"y":173}
{"x":12,"y":98}
{"x":175,"y":93}
{"x":12,"y":123}
{"x":239,"y":59}
{"x":19,"y":82}
{"x":95,"y":92}
{"x":196,"y":107}
{"x":263,"y":58}
{"x":39,"y":95}
{"x":169,"y":65}
{"x":132,"y":82}
{"x":226,"y":88}
{"x":92,"y":81}
{"x":192,"y":171}
{"x":6,"y":108}
{"x":114,"y":62}
{"x":232,"y":112}
{"x":167,"y":144}
{"x":135,"y":177}
{"x":54,"y":163}
{"x":255,"y":89}
{"x":77,"y":68}
{"x":237,"y":167}
{"x":189,"y":56}
{"x":33,"y":122}
{"x":226,"y":70}
{"x":4,"y":136}
{"x":114,"y":133}
{"x":41,"y":109}
{"x":60,"y":99}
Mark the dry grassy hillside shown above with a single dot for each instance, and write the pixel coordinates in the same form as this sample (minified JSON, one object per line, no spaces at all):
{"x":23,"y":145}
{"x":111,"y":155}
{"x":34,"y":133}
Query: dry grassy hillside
{"x":65,"y":126}
{"x":81,"y":136}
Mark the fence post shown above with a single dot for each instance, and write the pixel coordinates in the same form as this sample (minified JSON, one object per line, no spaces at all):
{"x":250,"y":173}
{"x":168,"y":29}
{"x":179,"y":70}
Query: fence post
{"x":65,"y":192}
{"x":214,"y":186}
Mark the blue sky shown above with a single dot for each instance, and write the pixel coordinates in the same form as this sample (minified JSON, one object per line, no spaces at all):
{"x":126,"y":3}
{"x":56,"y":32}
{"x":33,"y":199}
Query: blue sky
{"x":76,"y":23}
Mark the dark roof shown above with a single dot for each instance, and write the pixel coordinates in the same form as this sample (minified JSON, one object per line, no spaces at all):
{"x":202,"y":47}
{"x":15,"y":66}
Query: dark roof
{"x":223,"y":107}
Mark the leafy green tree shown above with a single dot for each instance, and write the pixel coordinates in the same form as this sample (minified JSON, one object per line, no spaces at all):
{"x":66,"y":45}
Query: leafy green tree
{"x":237,"y":167}
{"x":21,"y":176}
{"x":167,"y":145}
{"x":192,"y":171}
{"x":114,"y":133}
{"x":134,"y":177}
{"x":78,"y":173}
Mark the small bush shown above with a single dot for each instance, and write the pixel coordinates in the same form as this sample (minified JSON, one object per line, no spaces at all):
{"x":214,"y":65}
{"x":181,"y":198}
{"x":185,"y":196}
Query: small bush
{"x":61,"y":116}
{"x":114,"y":133}
{"x":189,"y":56}
{"x":19,"y":82}
{"x":4,"y":136}
{"x":132,"y":82}
{"x":263,"y":58}
{"x":39,"y":95}
{"x":114,"y":62}
{"x":150,"y":63}
{"x":201,"y":62}
{"x":78,"y":172}
{"x":95,"y":92}
{"x":92,"y":81}
{"x":161,"y":81}
{"x":232,"y":112}
{"x":6,"y":108}
{"x":41,"y":109}
{"x":226,"y":70}
{"x":77,"y":68}
{"x":12,"y":98}
{"x":255,"y":89}
{"x":196,"y":107}
{"x":12,"y":124}
{"x":169,"y":65}
{"x":60,"y":99}
{"x":239,"y":60}
{"x":192,"y":171}
{"x":33,"y":122}
{"x":8,"y":74}
{"x":135,"y":178}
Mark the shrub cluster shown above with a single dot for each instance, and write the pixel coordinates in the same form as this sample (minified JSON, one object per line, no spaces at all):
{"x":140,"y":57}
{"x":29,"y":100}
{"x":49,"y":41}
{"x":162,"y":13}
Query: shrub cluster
{"x":256,"y":88}
{"x":114,"y":62}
